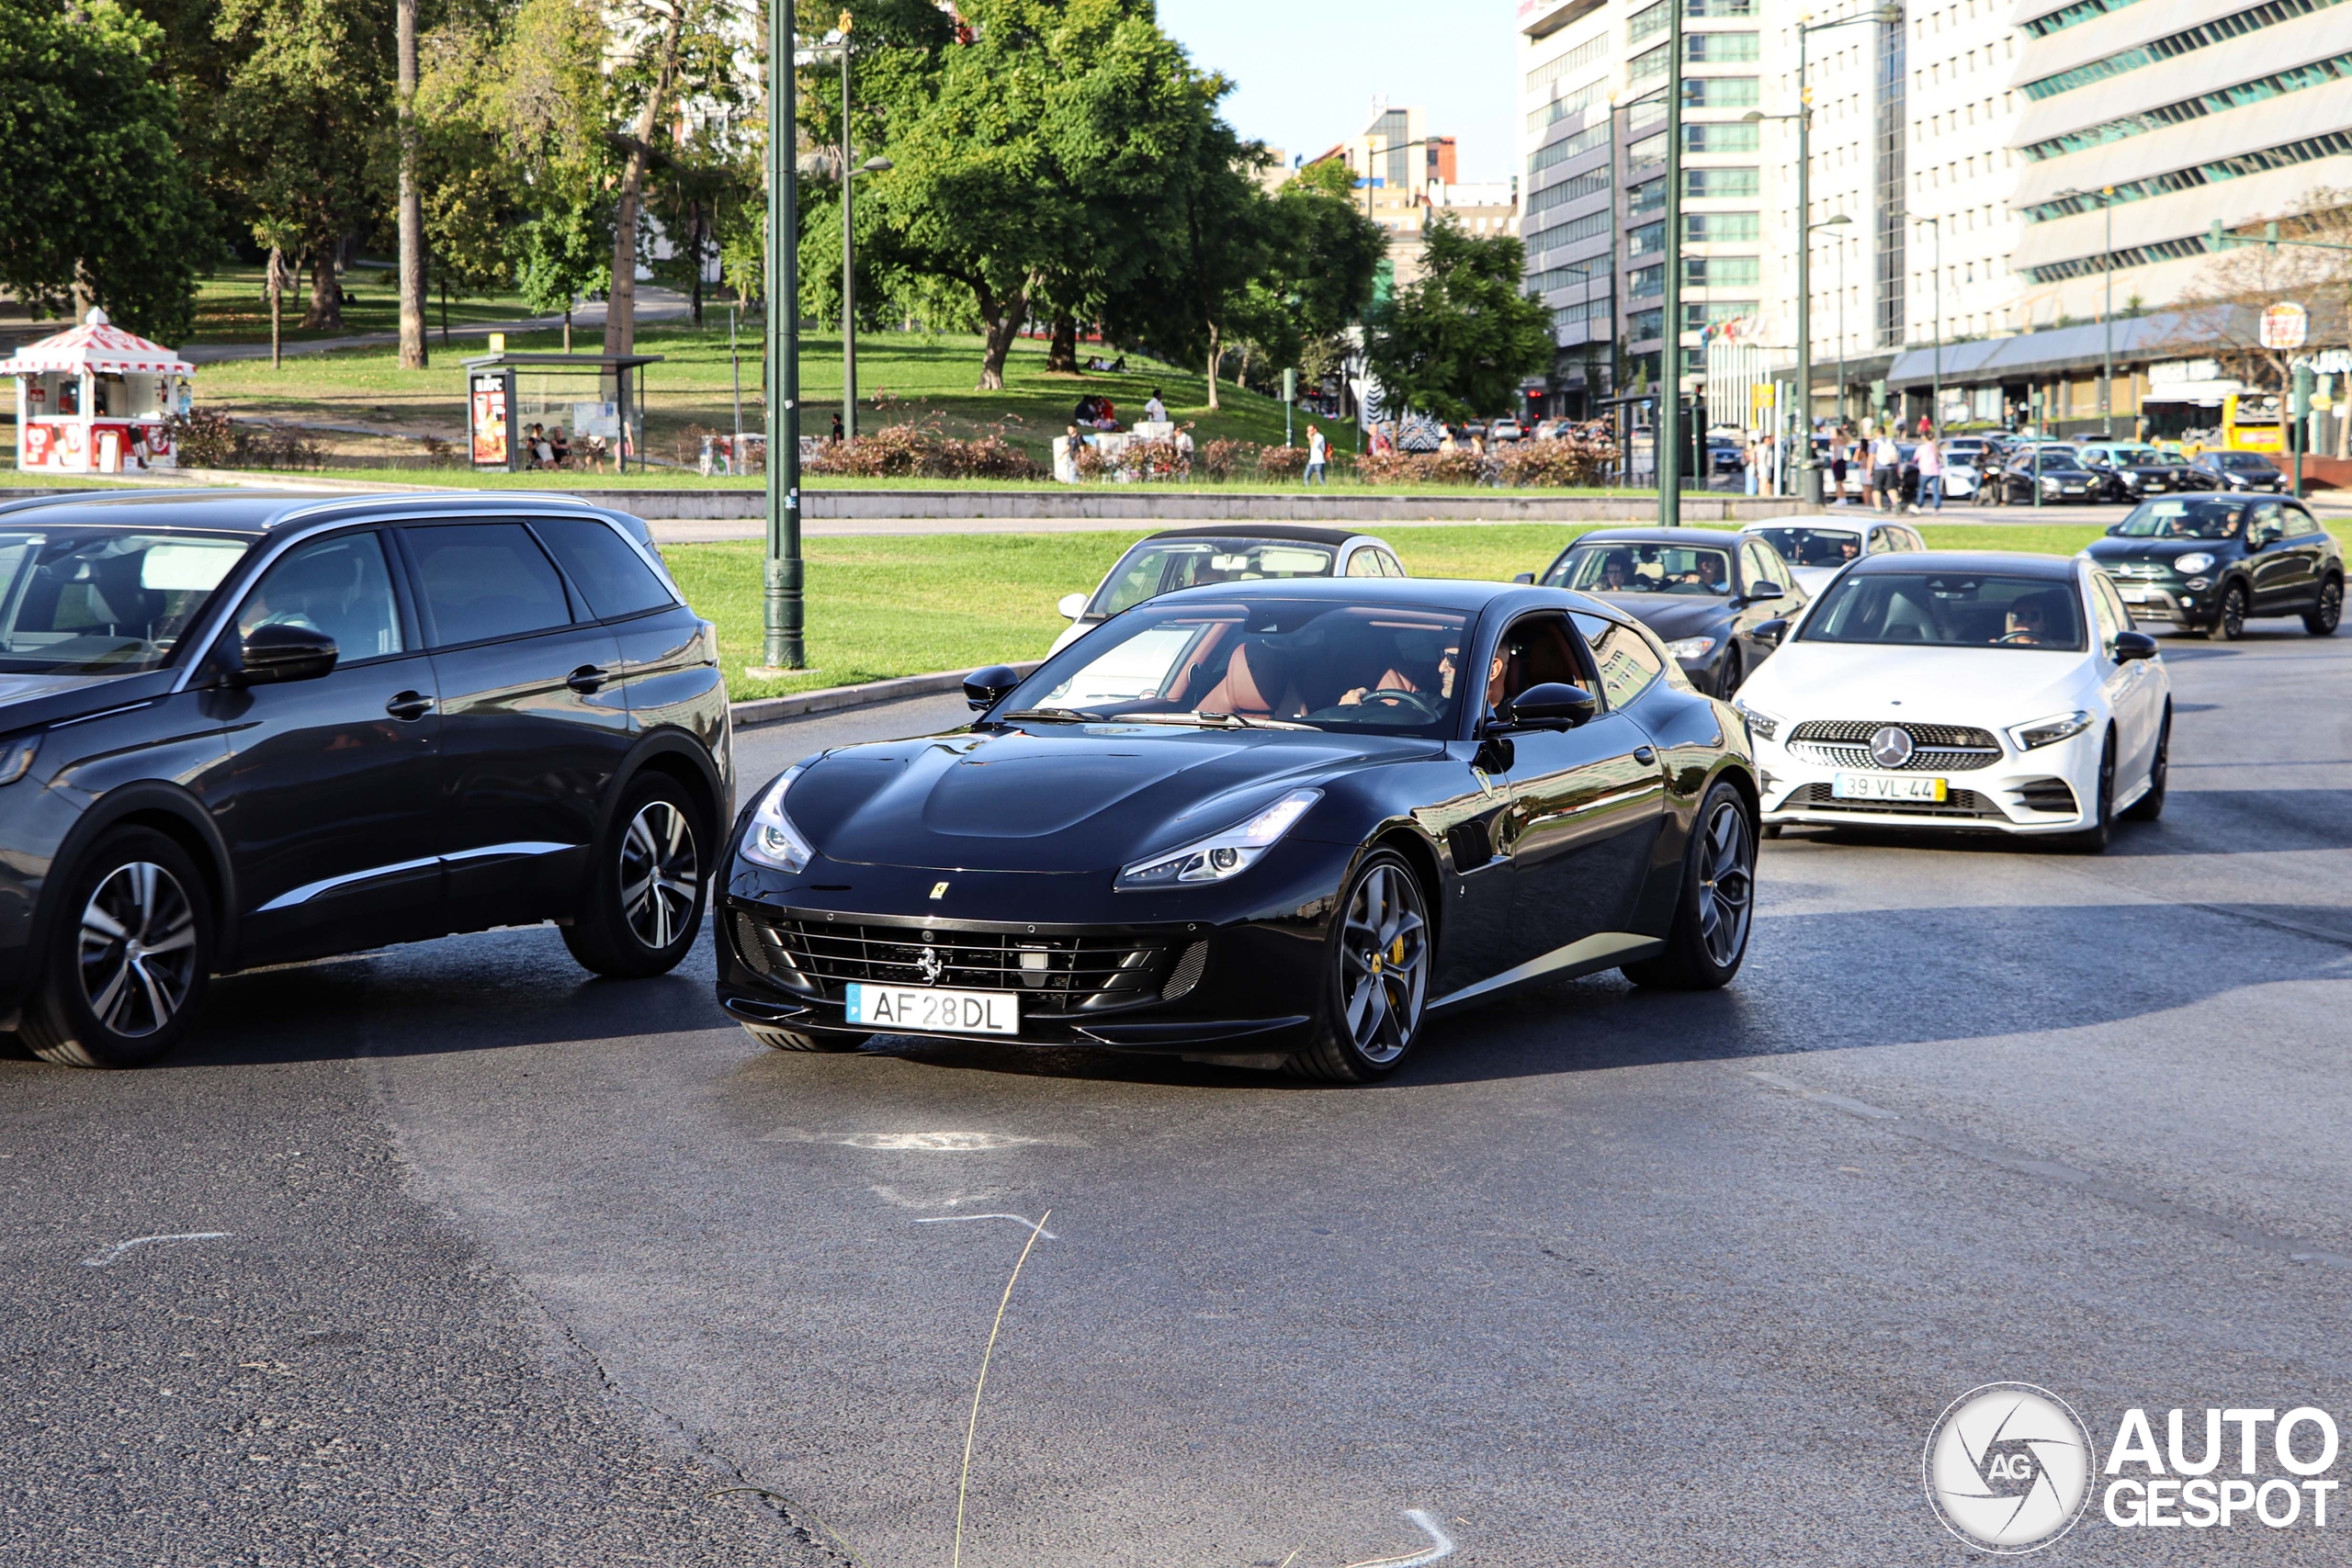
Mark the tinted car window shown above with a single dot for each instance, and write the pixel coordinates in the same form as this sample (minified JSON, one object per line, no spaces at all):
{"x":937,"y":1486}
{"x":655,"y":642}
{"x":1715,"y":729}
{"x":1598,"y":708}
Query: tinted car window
{"x":339,"y":586}
{"x":608,"y":572}
{"x":100,"y":600}
{"x":1813,"y":547}
{"x":1633,"y":567}
{"x":486,"y":579}
{"x":2188,"y":519}
{"x":1949,"y":609}
{"x":2301,"y":523}
{"x":1163,"y":566}
{"x":1628,"y":664}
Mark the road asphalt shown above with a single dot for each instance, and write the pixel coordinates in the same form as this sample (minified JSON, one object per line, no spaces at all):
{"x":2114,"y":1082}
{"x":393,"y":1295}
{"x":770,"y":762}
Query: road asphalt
{"x":482,"y":1261}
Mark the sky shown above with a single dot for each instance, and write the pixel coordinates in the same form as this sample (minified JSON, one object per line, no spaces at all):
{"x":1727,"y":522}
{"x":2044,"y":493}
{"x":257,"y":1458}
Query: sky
{"x":1305,"y":71}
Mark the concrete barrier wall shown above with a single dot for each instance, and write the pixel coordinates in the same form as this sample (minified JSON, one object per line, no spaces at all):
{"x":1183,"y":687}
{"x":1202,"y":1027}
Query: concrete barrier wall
{"x":1113,"y":508}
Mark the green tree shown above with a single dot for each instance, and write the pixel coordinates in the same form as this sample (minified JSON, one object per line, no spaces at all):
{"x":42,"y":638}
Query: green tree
{"x":1457,"y":342}
{"x":96,"y":201}
{"x":1323,"y":254}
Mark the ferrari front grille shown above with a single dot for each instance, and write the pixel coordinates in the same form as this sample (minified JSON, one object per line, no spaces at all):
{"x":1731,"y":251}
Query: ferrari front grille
{"x":1058,"y":974}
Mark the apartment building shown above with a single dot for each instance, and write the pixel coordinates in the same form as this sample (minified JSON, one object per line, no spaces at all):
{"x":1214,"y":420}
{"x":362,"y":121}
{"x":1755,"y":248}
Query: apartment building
{"x":2179,"y":113}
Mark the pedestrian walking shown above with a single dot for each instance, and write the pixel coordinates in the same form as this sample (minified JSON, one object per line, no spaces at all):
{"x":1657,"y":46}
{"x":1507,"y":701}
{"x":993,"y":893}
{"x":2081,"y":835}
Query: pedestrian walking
{"x":1318,"y":453}
{"x":1886,"y":473}
{"x":1930,"y":457}
{"x":835,"y":439}
{"x":1840,"y":449}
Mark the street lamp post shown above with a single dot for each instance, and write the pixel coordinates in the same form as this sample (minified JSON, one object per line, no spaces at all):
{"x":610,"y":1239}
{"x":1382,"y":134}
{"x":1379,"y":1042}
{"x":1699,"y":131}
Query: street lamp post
{"x":781,"y":647}
{"x":1669,"y":354}
{"x":1935,"y":359}
{"x":2106,"y":317}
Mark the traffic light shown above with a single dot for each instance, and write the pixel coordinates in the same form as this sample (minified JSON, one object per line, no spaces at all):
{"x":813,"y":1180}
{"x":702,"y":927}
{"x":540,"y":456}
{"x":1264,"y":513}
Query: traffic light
{"x":2306,"y":382}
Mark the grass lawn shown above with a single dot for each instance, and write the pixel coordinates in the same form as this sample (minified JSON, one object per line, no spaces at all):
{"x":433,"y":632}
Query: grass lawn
{"x":231,"y":306}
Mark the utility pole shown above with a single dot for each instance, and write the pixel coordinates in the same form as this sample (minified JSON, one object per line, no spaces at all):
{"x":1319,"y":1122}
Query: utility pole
{"x":781,"y":579}
{"x":1936,"y":363}
{"x":1669,"y":445}
{"x":411,"y":204}
{"x":849,"y":261}
{"x":2107,"y":320}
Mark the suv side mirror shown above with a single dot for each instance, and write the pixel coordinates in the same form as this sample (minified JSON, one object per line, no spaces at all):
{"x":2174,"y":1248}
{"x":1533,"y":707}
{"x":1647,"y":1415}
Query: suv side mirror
{"x":1555,"y":705}
{"x":2130,"y":645}
{"x":274,"y":654}
{"x":1758,"y":592}
{"x":2115,"y":527}
{"x":1524,"y":577}
{"x":983,"y":689}
{"x":2268,"y":534}
{"x":1072,"y":606}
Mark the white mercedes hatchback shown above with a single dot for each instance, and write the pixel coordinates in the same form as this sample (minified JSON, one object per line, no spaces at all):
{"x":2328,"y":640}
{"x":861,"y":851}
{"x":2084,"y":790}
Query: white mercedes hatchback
{"x":1987,"y":691}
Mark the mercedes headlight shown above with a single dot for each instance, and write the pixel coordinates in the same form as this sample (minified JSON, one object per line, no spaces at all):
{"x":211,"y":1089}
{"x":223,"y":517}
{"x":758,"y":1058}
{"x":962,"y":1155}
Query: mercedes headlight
{"x":2050,"y":731}
{"x":1761,"y":724}
{"x":1224,"y":855}
{"x":772,"y":841}
{"x":2192,"y":563}
{"x":1690,"y":649}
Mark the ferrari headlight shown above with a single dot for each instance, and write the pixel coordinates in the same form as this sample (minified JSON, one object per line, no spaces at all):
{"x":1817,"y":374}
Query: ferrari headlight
{"x":2050,"y":731}
{"x":1224,"y":855}
{"x":1690,"y":649}
{"x":2192,"y":563}
{"x":1760,"y":725}
{"x":772,"y":840}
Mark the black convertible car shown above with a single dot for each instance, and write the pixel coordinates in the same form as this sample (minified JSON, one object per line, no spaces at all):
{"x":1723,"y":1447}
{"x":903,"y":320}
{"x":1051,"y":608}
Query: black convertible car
{"x":1282,"y":822}
{"x":1719,"y":601}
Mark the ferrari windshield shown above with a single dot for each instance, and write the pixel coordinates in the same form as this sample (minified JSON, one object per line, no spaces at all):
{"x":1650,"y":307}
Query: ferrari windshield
{"x":1298,"y":663}
{"x":102,"y":601}
{"x":1947,"y":609}
{"x":1162,"y":566}
{"x":2184,"y":520}
{"x":1813,"y":547}
{"x":1629,"y":567}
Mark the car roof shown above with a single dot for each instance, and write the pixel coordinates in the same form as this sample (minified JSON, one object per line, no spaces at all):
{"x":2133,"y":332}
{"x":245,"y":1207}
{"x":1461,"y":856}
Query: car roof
{"x":1300,"y":532}
{"x":1461,"y":595}
{"x":1844,"y":521}
{"x":257,"y":513}
{"x":2009,"y":563}
{"x":1715,"y":536}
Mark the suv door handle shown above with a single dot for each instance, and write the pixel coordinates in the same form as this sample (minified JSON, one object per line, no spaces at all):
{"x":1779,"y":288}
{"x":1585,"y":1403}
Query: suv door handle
{"x":586,"y":680}
{"x":409,"y":705}
{"x":1644,"y":755}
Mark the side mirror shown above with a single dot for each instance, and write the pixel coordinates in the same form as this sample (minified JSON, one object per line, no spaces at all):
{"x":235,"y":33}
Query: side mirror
{"x":1524,"y":577}
{"x":2115,"y":527}
{"x":1758,"y":592}
{"x":1551,"y":705}
{"x":1769,"y":633}
{"x":1072,"y":606}
{"x":2130,"y":645}
{"x":275,"y":654}
{"x":983,"y":689}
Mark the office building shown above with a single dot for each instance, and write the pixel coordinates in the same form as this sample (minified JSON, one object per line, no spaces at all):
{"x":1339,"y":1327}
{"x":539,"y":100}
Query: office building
{"x":1404,"y":176}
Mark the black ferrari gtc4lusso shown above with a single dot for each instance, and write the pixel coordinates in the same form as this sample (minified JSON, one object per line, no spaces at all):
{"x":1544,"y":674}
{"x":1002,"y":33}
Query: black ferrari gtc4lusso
{"x":1278,"y":822}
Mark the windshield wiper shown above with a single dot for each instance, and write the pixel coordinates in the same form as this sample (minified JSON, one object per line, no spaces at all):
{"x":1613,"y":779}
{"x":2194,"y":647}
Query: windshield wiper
{"x":1214,"y":721}
{"x":1055,"y":716}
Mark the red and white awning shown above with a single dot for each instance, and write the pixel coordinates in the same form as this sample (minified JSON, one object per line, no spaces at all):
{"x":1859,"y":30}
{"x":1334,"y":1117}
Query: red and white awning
{"x":96,"y":345}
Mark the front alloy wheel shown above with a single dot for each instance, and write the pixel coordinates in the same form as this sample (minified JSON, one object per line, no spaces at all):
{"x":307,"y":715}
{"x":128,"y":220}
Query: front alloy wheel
{"x":123,"y":978}
{"x":1379,"y":980}
{"x":2229,"y":624}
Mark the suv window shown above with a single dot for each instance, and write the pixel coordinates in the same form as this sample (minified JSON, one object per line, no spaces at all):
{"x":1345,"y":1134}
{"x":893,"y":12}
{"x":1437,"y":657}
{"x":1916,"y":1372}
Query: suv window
{"x":486,"y":579}
{"x":605,"y":567}
{"x":340,"y":586}
{"x":2299,"y":522}
{"x":1627,"y":663}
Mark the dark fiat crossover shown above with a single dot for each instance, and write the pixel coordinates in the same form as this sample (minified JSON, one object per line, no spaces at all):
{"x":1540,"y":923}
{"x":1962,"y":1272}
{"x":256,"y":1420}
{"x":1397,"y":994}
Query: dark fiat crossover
{"x":1278,"y":822}
{"x":241,"y":729}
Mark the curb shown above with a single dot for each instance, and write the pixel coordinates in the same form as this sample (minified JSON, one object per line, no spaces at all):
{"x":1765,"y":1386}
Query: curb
{"x":835,"y":699}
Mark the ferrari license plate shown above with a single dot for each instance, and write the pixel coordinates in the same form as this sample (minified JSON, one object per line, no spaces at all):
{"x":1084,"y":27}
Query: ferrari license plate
{"x":956,"y":1012}
{"x":1886,"y":786}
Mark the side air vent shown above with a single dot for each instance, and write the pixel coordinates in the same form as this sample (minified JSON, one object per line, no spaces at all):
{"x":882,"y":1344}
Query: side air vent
{"x":1471,"y":846}
{"x":1187,"y":972}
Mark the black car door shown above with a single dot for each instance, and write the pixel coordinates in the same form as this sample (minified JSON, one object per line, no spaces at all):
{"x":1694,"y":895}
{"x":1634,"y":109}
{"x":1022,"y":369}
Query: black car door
{"x":329,"y":811}
{"x":2306,"y":543}
{"x":1586,"y":803}
{"x":2271,"y":559}
{"x":532,"y":727}
{"x":667,"y":668}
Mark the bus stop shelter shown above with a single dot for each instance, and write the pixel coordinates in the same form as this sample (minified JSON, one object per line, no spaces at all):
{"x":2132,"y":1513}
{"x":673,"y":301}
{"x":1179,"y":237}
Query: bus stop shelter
{"x":617,"y":412}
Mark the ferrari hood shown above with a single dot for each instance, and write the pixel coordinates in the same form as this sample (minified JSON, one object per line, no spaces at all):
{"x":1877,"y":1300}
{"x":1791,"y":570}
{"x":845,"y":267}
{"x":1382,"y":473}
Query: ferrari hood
{"x":1068,"y":798}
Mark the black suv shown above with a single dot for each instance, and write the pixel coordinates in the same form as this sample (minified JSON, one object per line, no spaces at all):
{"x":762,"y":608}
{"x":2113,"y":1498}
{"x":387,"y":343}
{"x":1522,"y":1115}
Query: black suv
{"x":2240,"y":471}
{"x":2209,"y":561}
{"x":239,"y":729}
{"x":2131,"y":471}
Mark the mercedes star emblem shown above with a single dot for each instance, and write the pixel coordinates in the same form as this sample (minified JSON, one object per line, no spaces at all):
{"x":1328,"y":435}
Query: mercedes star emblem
{"x":1891,"y":747}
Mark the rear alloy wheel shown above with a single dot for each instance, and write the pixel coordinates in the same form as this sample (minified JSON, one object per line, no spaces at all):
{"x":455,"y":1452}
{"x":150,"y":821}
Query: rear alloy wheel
{"x":1731,"y":675}
{"x":2229,"y":624}
{"x":1708,"y":940}
{"x":2322,"y":619}
{"x":2151,"y":806}
{"x":1378,"y":980}
{"x":646,"y":891}
{"x":124,"y":975}
{"x":2092,"y":840}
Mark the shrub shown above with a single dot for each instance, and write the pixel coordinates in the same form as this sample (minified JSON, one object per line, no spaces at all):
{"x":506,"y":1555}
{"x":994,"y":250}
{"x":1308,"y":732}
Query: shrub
{"x":1228,"y":459}
{"x":1282,"y":462}
{"x":202,"y":438}
{"x":911,"y":451}
{"x":1568,"y":461}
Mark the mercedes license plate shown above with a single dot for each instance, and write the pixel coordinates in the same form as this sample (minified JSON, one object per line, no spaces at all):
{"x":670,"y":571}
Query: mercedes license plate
{"x":918,"y":1008}
{"x":1886,"y":786}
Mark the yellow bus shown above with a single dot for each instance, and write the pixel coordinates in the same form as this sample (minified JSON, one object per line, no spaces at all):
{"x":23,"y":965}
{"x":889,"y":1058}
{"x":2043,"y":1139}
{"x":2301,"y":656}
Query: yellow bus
{"x":2251,"y":422}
